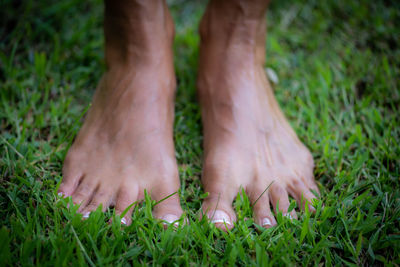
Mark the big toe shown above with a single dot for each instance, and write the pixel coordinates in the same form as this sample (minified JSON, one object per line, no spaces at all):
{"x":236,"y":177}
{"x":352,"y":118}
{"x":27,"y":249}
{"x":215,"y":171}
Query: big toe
{"x":169,"y":210}
{"x":219,"y":211}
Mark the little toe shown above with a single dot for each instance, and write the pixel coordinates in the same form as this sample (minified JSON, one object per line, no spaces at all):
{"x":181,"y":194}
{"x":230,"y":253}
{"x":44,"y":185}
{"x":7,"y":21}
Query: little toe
{"x":302,"y":194}
{"x":313,"y":186}
{"x":280,"y":200}
{"x":72,"y":174}
{"x":69,"y":183}
{"x":310,"y":183}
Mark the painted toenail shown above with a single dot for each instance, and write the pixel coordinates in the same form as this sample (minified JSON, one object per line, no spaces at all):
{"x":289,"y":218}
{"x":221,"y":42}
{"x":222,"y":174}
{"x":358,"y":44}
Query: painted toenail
{"x":220,"y":216}
{"x":86,"y":215}
{"x":123,"y":221}
{"x":266,"y":222}
{"x":170,"y":218}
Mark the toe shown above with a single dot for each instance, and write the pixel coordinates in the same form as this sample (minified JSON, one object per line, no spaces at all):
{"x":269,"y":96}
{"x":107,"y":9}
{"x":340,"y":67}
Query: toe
{"x":127,"y":196}
{"x":309,"y":181}
{"x":280,"y":200}
{"x":70,"y":181}
{"x":103,"y":196}
{"x":313,"y":186}
{"x":83,"y":194}
{"x":168,"y":208}
{"x":261,"y":208}
{"x":302,"y":194}
{"x":218,"y":209}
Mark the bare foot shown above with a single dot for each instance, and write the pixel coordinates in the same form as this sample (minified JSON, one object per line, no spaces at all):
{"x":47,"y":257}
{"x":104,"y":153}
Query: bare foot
{"x":125,"y":144}
{"x":248,"y":142}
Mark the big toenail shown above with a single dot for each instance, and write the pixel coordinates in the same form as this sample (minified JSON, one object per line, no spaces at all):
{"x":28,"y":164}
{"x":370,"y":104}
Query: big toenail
{"x":220,"y":216}
{"x":170,"y":218}
{"x":86,"y":215}
{"x":123,"y":221}
{"x":60,"y":194}
{"x":266,"y":222}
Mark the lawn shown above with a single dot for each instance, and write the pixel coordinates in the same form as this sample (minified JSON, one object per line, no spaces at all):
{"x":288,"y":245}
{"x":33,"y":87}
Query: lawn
{"x":335,"y":69}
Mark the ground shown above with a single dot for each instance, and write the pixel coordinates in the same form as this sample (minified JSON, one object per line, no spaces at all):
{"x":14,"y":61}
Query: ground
{"x":335,"y":68}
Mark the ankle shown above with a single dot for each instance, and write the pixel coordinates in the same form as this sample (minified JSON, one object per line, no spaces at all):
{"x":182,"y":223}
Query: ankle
{"x":232,"y":22}
{"x":238,"y":35}
{"x":137,"y":31}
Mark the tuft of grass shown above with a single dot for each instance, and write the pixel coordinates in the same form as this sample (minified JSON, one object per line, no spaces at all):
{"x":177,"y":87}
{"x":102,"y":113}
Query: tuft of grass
{"x":337,"y":64}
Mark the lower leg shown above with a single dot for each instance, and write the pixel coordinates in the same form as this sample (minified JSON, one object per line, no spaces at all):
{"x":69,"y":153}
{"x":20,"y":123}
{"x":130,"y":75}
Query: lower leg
{"x":248,"y":143}
{"x":125,"y":144}
{"x":137,"y":31}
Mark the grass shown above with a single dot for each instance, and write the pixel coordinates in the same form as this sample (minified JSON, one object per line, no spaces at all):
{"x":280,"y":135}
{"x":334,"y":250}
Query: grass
{"x":338,"y":69}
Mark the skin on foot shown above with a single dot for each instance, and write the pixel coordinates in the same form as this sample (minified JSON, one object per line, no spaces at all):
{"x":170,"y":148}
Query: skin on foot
{"x":125,"y":144}
{"x":248,"y":143}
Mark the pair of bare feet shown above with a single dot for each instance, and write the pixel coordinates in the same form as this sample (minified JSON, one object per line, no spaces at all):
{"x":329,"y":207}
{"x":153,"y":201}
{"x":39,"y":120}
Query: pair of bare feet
{"x":126,"y":145}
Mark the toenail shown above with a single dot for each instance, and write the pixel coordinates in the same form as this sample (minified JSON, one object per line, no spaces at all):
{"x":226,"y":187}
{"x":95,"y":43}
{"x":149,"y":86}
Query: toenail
{"x":220,"y":216}
{"x":266,"y":222}
{"x":170,"y":218}
{"x":123,"y":221}
{"x":60,"y":194}
{"x":289,"y":216}
{"x":311,"y":208}
{"x":86,"y":215}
